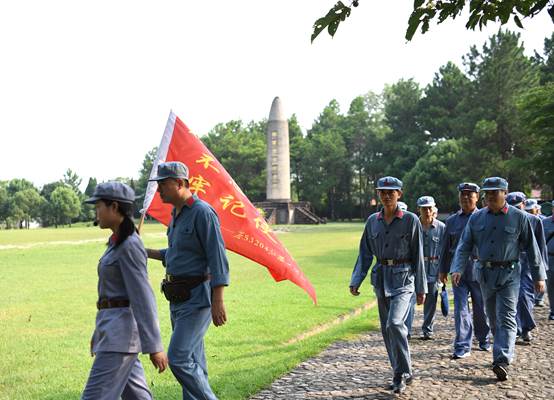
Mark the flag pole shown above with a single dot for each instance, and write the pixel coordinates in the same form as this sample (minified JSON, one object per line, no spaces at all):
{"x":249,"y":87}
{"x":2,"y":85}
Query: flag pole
{"x":141,"y":222}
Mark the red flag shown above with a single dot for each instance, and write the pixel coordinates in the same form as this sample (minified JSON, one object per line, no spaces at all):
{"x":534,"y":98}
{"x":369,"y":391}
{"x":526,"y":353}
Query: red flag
{"x":244,"y":230}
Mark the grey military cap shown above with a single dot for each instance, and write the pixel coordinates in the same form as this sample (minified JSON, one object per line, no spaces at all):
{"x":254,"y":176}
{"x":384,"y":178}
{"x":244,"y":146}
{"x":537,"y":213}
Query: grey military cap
{"x":171,"y":169}
{"x":116,"y":191}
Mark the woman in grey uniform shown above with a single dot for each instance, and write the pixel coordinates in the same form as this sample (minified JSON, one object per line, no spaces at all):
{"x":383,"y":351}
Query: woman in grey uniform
{"x":126,"y":322}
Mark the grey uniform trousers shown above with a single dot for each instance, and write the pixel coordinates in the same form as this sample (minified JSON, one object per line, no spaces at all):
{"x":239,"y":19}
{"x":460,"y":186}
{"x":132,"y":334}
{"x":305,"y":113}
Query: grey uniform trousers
{"x":393,"y":312}
{"x":116,"y":375}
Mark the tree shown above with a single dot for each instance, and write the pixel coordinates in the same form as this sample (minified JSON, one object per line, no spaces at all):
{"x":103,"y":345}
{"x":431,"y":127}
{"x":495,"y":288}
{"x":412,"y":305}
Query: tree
{"x":29,"y":203}
{"x":437,"y":174}
{"x":4,"y":196}
{"x":87,"y":210}
{"x":47,"y":213}
{"x":324,"y":162}
{"x":425,"y":11}
{"x":364,"y":132}
{"x":537,"y":113}
{"x":242,"y":152}
{"x":65,"y":205}
{"x":296,"y":142}
{"x":445,"y":106}
{"x":71,"y":179}
{"x":91,"y":185}
{"x":502,"y":73}
{"x":406,"y":141}
{"x":546,"y":62}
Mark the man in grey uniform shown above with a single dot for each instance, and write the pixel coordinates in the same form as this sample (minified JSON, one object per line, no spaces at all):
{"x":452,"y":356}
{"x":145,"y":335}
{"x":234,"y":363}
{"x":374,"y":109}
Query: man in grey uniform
{"x":526,"y":300}
{"x":433,"y":236}
{"x":467,"y":322}
{"x":197,"y":271}
{"x":548,"y":224}
{"x":394,"y":237}
{"x":532,"y":207}
{"x":500,"y":232}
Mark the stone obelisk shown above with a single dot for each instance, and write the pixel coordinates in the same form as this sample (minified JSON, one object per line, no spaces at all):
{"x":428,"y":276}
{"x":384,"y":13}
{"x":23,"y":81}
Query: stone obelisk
{"x":278,"y":154}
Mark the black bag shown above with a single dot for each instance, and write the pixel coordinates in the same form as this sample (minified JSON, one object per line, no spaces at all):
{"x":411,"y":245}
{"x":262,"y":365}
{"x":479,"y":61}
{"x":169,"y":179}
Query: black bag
{"x":176,"y":292}
{"x":445,"y":305}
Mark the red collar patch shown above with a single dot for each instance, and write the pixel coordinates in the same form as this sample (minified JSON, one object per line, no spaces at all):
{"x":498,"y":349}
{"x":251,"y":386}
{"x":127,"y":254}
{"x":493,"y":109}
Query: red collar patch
{"x":398,"y":213}
{"x":190,"y":201}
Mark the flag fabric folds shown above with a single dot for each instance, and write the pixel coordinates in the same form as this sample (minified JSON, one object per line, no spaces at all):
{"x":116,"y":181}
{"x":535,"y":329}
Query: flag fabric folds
{"x":244,"y":229}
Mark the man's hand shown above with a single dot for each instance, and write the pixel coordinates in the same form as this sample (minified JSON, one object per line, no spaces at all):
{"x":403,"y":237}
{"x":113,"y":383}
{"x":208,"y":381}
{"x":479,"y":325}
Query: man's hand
{"x":159,"y":360}
{"x":456,"y":278}
{"x":420,"y":298}
{"x":354,"y":290}
{"x":219,"y":316}
{"x":154,"y":254}
{"x":539,"y":286}
{"x":443,"y":277}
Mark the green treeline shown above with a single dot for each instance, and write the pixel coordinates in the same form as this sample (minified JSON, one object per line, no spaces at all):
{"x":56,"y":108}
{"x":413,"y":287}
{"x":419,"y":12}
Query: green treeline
{"x":492,"y":116}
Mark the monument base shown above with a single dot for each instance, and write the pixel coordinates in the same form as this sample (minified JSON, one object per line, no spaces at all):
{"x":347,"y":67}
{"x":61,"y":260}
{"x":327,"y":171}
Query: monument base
{"x":288,"y":212}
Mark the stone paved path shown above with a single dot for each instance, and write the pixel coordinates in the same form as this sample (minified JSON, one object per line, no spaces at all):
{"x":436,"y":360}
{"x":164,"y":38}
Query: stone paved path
{"x":359,"y":369}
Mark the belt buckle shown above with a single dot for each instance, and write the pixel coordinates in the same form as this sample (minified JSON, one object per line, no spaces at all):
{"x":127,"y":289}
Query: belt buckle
{"x":389,"y":262}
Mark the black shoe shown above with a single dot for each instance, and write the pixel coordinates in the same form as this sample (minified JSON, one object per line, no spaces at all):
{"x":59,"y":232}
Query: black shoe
{"x":427,"y":336}
{"x":398,"y":384}
{"x":539,"y":304}
{"x":526,"y":337}
{"x":408,"y":379}
{"x":501,"y":371}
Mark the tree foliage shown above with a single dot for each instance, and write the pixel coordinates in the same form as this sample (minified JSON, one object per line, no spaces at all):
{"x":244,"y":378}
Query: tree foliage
{"x":424,"y":12}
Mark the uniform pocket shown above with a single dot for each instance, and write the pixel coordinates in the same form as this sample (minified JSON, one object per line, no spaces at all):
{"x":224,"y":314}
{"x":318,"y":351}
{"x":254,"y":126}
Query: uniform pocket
{"x":402,"y":276}
{"x":402,"y":245}
{"x":510,"y":233}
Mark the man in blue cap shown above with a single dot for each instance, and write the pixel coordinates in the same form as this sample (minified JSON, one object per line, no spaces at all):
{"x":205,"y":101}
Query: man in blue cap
{"x":403,"y":206}
{"x":533,"y":207}
{"x":526,"y":299}
{"x":433,"y":234}
{"x":394,"y":237}
{"x":548,"y":224}
{"x":466,"y":323}
{"x":197,"y":271}
{"x":500,"y":232}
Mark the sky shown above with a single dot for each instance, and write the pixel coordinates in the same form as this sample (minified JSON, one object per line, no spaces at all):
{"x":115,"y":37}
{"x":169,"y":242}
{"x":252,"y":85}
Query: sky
{"x":89,"y":85}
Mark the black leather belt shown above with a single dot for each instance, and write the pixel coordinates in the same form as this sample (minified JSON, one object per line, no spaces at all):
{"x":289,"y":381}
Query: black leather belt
{"x":433,"y":258}
{"x":111,"y":303}
{"x":498,"y":264}
{"x":391,"y":261}
{"x":190,"y":280}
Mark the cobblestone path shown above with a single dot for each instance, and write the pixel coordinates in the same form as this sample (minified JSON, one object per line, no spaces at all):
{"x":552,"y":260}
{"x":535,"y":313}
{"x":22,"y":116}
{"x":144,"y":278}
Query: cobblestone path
{"x":359,"y":369}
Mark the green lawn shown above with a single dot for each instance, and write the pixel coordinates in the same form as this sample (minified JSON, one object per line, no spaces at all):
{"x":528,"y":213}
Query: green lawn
{"x":47,"y":310}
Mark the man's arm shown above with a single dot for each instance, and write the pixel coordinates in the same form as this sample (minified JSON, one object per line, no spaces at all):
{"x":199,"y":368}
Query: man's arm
{"x":536,"y":264}
{"x":155,"y":254}
{"x":363,"y":263}
{"x":416,"y":248}
{"x":463,"y":251}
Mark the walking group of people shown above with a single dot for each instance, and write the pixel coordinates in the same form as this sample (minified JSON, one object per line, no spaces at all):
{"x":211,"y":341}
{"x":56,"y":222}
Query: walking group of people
{"x":197,"y":272}
{"x":496,"y":255}
{"x":499,"y":256}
